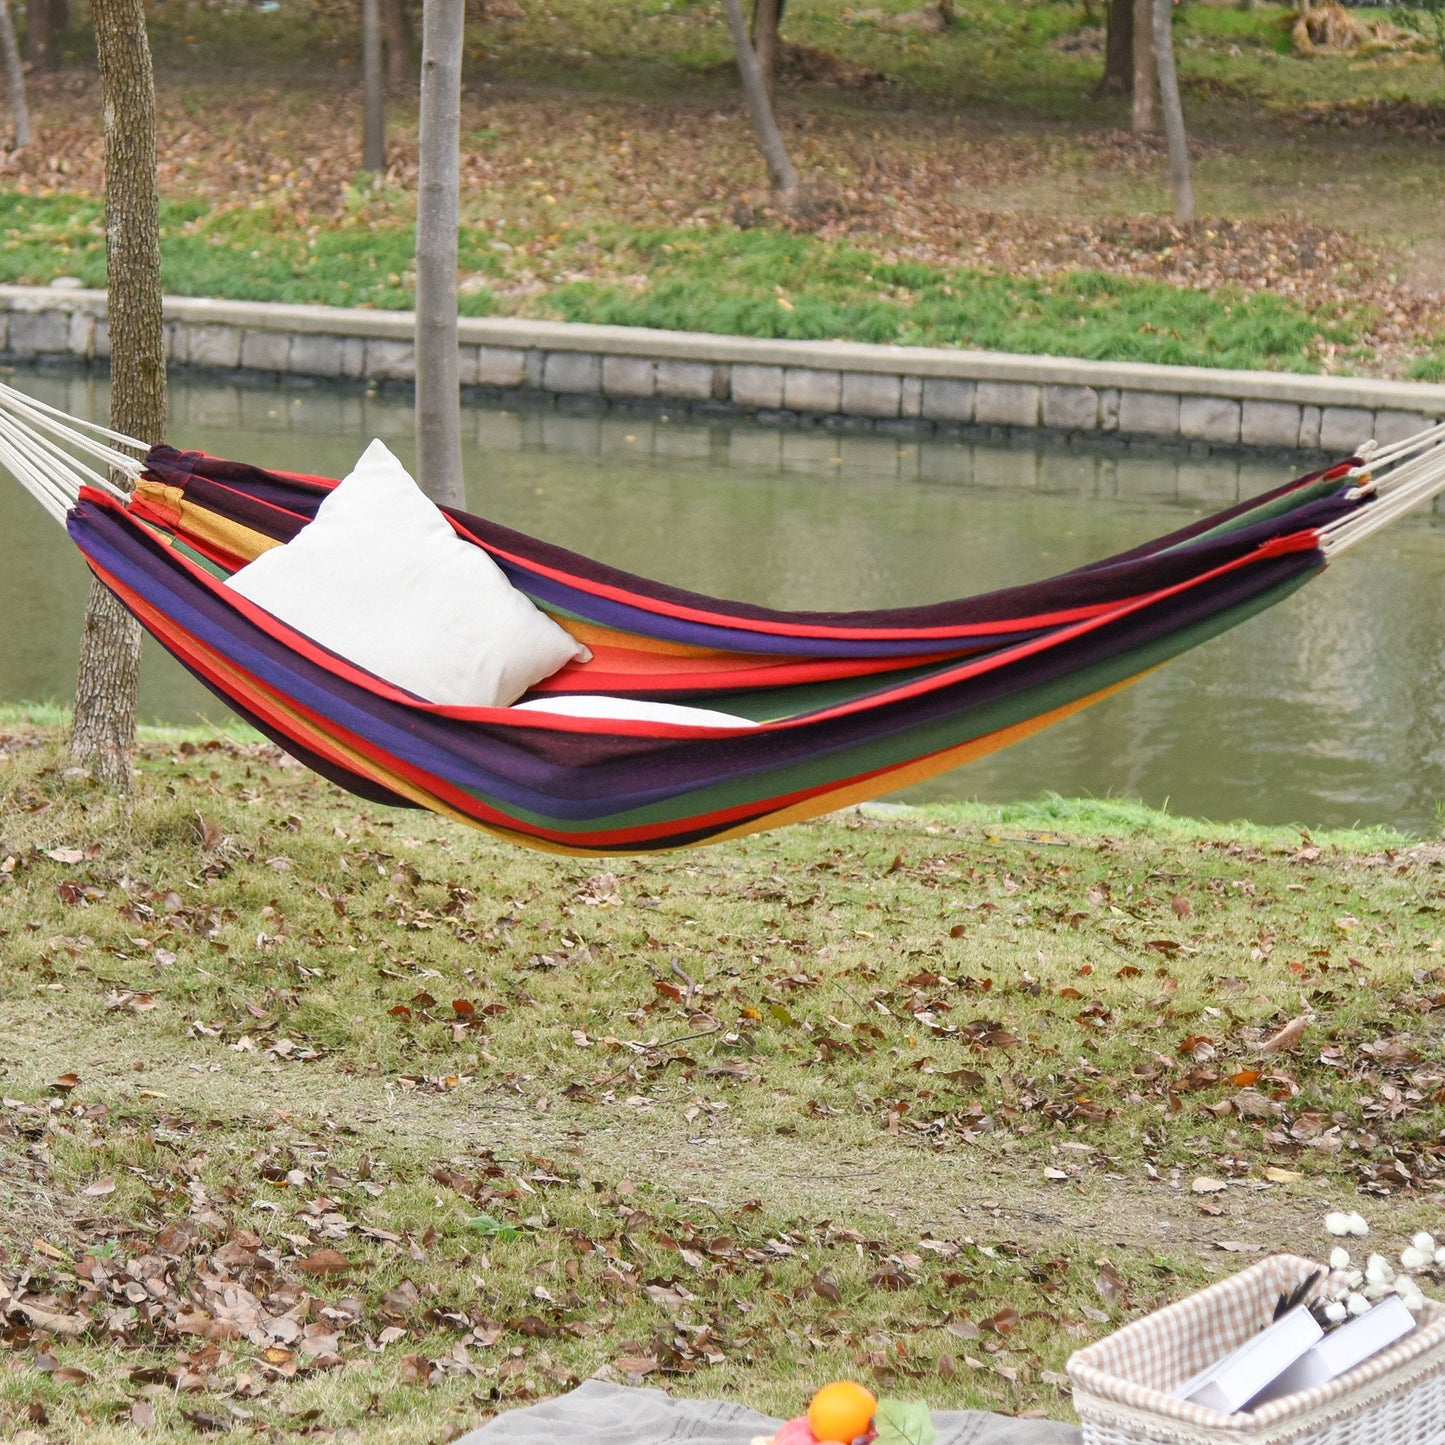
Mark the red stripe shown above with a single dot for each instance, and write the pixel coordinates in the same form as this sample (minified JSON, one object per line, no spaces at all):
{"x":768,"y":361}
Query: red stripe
{"x":1307,"y":541}
{"x":783,"y":628}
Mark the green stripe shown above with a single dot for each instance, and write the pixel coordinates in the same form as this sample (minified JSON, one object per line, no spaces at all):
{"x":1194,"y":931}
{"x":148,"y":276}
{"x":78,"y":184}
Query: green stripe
{"x":1291,"y":501}
{"x":761,"y":788}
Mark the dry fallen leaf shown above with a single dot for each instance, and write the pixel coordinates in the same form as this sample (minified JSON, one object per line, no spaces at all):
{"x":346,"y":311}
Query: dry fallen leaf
{"x":1287,"y":1037}
{"x":826,"y":1289}
{"x":1281,"y":1176}
{"x":636,"y":1364}
{"x":99,"y":1189}
{"x":50,"y":1321}
{"x":1205,"y":1185}
{"x":324,"y":1261}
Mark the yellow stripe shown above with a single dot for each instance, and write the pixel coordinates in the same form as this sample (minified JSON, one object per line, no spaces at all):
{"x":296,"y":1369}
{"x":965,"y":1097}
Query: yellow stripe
{"x":595,"y":635}
{"x":195,"y":521}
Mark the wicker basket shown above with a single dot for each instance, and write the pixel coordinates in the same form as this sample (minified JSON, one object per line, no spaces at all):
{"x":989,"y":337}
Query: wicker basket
{"x":1396,"y":1397}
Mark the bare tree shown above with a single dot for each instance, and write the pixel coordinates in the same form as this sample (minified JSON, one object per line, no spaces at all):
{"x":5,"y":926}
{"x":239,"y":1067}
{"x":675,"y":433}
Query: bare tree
{"x":373,"y":142}
{"x":1118,"y":49}
{"x":1179,"y":182}
{"x":103,"y":733}
{"x":438,"y":207}
{"x":398,"y":43}
{"x":1145,"y":120}
{"x":766,"y":15}
{"x":45,"y":22}
{"x":15,"y":77}
{"x":780,"y":169}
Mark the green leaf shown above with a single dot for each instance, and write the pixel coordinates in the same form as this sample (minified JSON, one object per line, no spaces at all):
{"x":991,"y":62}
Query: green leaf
{"x":495,"y":1229}
{"x":904,"y":1422}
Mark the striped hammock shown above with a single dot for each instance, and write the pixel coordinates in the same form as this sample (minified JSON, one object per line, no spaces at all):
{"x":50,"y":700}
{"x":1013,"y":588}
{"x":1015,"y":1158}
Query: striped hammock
{"x":851,"y":704}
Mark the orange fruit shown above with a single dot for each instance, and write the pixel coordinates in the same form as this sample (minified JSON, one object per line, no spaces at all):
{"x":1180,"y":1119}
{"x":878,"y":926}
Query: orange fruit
{"x":841,"y":1411}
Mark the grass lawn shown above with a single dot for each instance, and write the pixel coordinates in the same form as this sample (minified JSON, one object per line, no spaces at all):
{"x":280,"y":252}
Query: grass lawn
{"x":322,"y":1117}
{"x":973,"y":190}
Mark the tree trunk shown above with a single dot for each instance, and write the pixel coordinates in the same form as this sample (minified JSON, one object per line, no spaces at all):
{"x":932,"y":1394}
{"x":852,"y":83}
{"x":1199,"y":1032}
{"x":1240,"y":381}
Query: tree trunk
{"x":1118,"y":49}
{"x":438,"y":391}
{"x":766,"y":15}
{"x":373,"y":137}
{"x":1146,"y":109}
{"x":103,"y":733}
{"x":1179,"y":181}
{"x":15,"y":77}
{"x":45,"y":22}
{"x":780,"y":169}
{"x":398,"y":44}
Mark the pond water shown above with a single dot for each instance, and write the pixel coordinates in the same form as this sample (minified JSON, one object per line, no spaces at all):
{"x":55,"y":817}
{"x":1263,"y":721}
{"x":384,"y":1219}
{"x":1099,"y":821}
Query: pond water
{"x":1326,"y":711}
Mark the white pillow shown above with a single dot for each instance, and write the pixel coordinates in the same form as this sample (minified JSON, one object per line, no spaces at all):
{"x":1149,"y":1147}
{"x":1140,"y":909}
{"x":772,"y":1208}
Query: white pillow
{"x":588,"y":704}
{"x":381,"y":578}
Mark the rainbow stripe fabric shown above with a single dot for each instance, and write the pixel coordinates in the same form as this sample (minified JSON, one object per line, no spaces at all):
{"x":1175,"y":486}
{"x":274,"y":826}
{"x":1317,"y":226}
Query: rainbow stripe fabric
{"x":851,"y":705}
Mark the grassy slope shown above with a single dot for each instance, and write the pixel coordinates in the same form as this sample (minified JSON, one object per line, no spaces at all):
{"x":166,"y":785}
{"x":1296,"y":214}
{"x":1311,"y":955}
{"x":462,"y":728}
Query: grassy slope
{"x":750,"y":283}
{"x":877,"y":1095}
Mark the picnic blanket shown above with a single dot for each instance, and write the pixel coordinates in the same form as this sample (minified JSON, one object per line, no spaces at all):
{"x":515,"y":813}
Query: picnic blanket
{"x":597,"y":1413}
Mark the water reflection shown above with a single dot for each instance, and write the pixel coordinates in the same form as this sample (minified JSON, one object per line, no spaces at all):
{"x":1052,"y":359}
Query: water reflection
{"x":1328,"y":710}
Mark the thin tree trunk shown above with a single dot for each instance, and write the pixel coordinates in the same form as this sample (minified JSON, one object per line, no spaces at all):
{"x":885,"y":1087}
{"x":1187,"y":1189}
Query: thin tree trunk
{"x":438,"y":392}
{"x":14,"y":77}
{"x":40,"y":34}
{"x":780,"y":169}
{"x":373,"y":141}
{"x":398,"y":44}
{"x":1179,"y":182}
{"x":1118,"y":49}
{"x":766,"y":14}
{"x":103,"y":733}
{"x":1146,"y":108}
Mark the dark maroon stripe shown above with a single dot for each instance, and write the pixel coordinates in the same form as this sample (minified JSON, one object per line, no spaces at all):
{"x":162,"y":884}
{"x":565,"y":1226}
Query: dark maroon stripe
{"x":1207,"y":524}
{"x":1130,"y":574}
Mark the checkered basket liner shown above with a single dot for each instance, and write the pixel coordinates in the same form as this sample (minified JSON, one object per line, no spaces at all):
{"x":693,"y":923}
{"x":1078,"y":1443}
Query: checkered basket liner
{"x":1120,"y":1384}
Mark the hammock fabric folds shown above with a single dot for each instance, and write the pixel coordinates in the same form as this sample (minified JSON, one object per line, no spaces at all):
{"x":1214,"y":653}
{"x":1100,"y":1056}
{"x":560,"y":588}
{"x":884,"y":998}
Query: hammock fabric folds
{"x":851,"y":705}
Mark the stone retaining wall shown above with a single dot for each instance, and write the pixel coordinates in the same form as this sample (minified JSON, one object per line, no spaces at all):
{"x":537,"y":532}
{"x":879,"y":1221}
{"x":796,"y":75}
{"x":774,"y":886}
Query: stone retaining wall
{"x":840,"y":384}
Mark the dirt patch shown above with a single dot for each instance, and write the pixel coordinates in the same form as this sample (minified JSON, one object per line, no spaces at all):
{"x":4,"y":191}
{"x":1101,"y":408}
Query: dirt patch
{"x":984,"y":1193}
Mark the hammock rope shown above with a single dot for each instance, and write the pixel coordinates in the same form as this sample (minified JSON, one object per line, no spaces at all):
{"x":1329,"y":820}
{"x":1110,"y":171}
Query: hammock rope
{"x":839,"y":707}
{"x":37,"y":442}
{"x":1401,"y":477}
